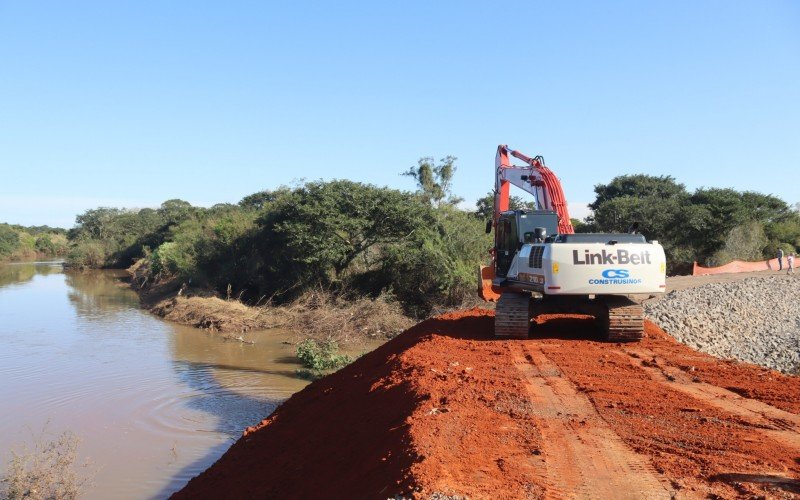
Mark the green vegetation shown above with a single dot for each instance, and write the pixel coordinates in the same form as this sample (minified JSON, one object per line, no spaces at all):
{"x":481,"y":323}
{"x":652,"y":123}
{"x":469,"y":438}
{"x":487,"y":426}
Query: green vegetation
{"x":28,"y":243}
{"x":344,"y":237}
{"x":320,"y":358}
{"x":354,"y":240}
{"x":711,"y":226}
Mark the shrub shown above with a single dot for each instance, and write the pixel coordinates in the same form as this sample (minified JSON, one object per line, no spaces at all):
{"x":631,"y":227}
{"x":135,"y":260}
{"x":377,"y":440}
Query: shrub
{"x":438,"y":267}
{"x":87,"y":254}
{"x":744,"y":242}
{"x":320,"y":357}
{"x":169,"y":259}
{"x":46,"y":471}
{"x":44,"y":244}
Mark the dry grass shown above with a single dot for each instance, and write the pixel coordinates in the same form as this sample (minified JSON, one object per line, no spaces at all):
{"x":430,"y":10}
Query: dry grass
{"x":323,"y":316}
{"x":47,"y":470}
{"x":215,"y":314}
{"x":320,"y":315}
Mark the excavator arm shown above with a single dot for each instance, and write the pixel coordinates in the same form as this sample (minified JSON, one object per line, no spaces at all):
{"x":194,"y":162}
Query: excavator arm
{"x":534,"y":178}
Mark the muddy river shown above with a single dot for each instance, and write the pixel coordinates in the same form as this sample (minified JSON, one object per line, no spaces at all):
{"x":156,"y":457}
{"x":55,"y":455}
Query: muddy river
{"x":153,"y":403}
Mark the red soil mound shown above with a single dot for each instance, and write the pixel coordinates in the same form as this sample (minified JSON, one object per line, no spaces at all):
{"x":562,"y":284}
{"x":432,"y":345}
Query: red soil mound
{"x":445,"y":408}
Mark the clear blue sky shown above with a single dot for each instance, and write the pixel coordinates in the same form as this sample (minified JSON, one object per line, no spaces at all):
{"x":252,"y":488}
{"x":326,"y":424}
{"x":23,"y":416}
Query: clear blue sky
{"x":131,"y":103}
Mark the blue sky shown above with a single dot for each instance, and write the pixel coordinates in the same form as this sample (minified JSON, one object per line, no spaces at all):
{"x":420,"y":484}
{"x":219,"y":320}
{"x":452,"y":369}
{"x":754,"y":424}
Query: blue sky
{"x":131,"y":103}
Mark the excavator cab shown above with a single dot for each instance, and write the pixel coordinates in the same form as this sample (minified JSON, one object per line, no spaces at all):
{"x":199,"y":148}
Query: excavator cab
{"x":515,"y":228}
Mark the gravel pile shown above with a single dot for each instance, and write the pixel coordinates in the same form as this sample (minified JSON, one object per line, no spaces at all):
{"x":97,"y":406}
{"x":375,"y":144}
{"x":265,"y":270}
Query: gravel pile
{"x":755,"y":320}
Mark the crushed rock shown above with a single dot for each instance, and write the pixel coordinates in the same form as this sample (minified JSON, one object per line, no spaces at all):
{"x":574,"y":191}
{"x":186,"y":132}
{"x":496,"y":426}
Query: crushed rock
{"x":756,"y":320}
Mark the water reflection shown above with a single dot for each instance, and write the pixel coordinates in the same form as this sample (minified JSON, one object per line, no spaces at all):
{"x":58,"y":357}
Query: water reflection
{"x":15,"y":273}
{"x":95,"y":294}
{"x":154,"y":403}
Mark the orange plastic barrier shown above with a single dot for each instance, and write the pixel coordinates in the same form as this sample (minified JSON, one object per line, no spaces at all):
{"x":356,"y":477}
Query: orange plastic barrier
{"x":740,"y":266}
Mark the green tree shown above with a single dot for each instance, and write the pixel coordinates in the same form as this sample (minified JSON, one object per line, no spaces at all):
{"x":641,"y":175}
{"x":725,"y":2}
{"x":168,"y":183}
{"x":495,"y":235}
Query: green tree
{"x":435,"y":180}
{"x":437,"y":266}
{"x":657,"y":205}
{"x":484,"y":207}
{"x":9,"y":240}
{"x":175,"y":211}
{"x":315,"y":234}
{"x":745,"y":242}
{"x":706,"y":226}
{"x":263,"y":199}
{"x":638,"y":186}
{"x":720,"y":210}
{"x":582,"y":226}
{"x":96,"y":223}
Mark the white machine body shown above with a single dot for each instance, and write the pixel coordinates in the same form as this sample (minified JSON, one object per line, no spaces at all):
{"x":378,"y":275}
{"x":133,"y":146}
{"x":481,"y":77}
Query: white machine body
{"x":589,"y":268}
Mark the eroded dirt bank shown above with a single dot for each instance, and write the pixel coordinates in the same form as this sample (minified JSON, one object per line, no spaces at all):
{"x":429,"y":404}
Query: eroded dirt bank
{"x":443,"y":408}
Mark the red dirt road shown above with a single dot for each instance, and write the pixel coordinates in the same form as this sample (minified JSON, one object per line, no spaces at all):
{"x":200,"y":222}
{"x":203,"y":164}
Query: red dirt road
{"x":444,"y":408}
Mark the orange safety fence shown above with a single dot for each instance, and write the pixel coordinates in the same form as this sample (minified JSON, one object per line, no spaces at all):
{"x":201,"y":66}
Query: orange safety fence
{"x":740,"y":266}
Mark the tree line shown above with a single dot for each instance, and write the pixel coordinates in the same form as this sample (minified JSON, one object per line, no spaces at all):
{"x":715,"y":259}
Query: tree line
{"x":711,"y":226}
{"x":26,"y":243}
{"x":420,"y":247}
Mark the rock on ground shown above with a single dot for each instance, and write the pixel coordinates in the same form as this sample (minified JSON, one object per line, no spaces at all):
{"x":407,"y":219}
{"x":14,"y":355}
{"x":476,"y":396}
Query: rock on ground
{"x":756,"y":320}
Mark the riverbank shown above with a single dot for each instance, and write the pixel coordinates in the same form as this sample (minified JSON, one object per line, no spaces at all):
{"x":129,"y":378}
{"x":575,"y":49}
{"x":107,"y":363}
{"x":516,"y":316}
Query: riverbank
{"x":317,"y":314}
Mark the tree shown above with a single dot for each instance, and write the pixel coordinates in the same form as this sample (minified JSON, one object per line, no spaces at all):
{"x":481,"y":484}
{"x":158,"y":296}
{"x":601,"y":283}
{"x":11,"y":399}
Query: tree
{"x":435,"y":181}
{"x":705,"y":226}
{"x":765,"y":208}
{"x":484,"y":207}
{"x":262,"y":199}
{"x":94,"y":223}
{"x":745,"y":242}
{"x":638,"y":186}
{"x":176,"y":211}
{"x":658,"y":205}
{"x":9,"y":240}
{"x":724,"y":209}
{"x":317,"y":232}
{"x":437,"y":265}
{"x":583,"y":226}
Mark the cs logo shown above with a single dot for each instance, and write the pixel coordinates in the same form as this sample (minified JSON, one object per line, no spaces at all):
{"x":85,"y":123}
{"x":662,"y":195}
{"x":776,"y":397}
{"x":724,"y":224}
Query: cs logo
{"x":615,"y":273}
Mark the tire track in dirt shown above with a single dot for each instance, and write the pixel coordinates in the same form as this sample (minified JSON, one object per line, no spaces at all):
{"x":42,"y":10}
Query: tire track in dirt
{"x":584,"y":458}
{"x":775,"y":423}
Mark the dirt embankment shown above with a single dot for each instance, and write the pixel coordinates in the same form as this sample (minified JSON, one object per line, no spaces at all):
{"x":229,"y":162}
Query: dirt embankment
{"x":444,"y":408}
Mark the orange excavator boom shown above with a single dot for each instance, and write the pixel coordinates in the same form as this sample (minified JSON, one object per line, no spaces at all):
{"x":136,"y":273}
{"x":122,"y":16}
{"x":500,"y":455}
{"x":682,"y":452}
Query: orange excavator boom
{"x":534,"y":178}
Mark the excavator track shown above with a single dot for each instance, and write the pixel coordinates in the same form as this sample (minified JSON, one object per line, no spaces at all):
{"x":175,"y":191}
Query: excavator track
{"x":512,"y":316}
{"x":624,"y":320}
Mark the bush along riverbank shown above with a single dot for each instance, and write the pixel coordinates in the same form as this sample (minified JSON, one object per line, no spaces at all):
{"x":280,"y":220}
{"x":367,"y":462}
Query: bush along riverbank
{"x":350,"y":239}
{"x":318,"y":314}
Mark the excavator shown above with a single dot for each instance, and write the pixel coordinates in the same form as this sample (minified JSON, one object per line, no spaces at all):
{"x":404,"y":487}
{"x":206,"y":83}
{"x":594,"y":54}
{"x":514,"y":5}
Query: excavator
{"x":541,"y":266}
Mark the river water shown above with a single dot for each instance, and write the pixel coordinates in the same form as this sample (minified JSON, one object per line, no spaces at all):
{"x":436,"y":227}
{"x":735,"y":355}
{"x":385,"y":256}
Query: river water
{"x":153,"y":403}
